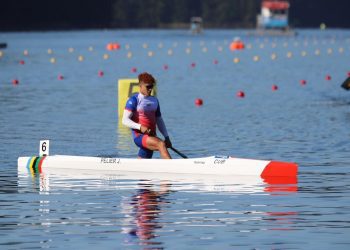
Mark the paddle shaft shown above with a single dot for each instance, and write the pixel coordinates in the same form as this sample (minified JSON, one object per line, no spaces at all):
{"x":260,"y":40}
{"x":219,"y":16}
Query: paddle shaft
{"x":179,"y":153}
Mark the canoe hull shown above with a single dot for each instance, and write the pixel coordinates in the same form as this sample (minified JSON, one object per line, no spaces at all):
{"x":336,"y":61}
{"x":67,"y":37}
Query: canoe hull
{"x":214,"y":165}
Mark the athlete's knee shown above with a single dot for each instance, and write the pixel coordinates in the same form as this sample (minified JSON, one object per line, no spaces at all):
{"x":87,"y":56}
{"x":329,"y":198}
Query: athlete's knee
{"x":161,"y":144}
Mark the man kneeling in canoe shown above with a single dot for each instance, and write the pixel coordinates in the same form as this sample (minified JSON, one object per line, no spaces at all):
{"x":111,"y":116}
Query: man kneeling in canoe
{"x":142,"y":115}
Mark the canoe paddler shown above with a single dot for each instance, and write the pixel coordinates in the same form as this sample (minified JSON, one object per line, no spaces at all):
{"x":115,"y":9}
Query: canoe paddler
{"x":142,"y":114}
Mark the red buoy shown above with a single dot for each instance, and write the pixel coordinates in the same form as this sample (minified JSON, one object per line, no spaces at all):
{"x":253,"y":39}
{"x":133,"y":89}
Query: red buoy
{"x":133,"y":70}
{"x":216,"y":61}
{"x":348,"y":73}
{"x":15,"y":82}
{"x":328,"y":77}
{"x":240,"y":94}
{"x":21,"y":62}
{"x":193,"y":65}
{"x":303,"y":82}
{"x":60,"y":77}
{"x":100,"y":73}
{"x":165,"y":67}
{"x":274,"y":87}
{"x":198,"y":102}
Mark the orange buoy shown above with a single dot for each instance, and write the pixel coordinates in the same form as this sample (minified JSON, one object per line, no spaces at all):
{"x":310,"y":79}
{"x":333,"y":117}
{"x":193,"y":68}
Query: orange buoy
{"x":198,"y":102}
{"x":237,"y":44}
{"x":113,"y":46}
{"x":15,"y":82}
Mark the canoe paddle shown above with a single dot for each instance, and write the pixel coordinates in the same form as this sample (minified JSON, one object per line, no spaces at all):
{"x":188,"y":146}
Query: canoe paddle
{"x":179,"y":153}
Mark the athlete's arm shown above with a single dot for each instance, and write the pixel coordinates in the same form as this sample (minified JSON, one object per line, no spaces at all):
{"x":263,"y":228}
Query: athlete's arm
{"x":128,"y":122}
{"x":161,"y":126}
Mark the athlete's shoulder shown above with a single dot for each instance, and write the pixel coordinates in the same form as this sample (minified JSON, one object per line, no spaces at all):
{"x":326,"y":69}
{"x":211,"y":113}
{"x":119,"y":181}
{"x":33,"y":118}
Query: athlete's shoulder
{"x":131,"y":102}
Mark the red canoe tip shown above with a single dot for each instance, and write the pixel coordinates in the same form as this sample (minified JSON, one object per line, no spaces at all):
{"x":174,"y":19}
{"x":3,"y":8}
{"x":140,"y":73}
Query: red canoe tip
{"x":278,"y":168}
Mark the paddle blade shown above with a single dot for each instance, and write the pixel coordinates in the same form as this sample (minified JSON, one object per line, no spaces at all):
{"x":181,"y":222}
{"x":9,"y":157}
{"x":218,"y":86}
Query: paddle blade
{"x":346,"y":84}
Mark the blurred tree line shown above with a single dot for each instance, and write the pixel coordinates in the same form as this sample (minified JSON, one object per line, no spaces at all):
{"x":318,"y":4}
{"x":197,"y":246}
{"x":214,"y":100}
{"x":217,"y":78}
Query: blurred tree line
{"x":77,"y":14}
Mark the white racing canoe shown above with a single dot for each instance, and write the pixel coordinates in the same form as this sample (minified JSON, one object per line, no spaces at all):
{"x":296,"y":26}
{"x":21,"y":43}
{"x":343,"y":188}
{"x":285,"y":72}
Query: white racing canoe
{"x":213,"y":165}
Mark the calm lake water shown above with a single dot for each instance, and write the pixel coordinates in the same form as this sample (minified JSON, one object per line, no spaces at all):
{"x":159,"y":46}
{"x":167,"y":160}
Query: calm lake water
{"x":307,"y":124}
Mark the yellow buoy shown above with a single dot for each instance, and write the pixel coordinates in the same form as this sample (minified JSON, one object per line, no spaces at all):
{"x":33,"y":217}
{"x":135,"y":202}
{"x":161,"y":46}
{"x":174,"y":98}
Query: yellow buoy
{"x":205,"y":50}
{"x":105,"y":56}
{"x":25,"y":52}
{"x":303,"y":53}
{"x":323,"y":26}
{"x":81,"y":58}
{"x":49,"y":51}
{"x":71,"y":50}
{"x":341,"y":50}
{"x":129,"y":54}
{"x":53,"y":60}
{"x":1,"y":53}
{"x":170,"y":52}
{"x":273,"y":56}
{"x":256,"y":58}
{"x":150,"y":53}
{"x":329,"y":51}
{"x":91,"y":48}
{"x":317,"y":52}
{"x":188,"y":50}
{"x":236,"y":60}
{"x":160,"y":45}
{"x":145,"y":45}
{"x":289,"y":54}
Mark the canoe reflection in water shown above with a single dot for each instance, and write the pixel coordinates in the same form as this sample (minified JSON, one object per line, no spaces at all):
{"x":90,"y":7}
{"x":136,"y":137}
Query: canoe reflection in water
{"x":142,"y":212}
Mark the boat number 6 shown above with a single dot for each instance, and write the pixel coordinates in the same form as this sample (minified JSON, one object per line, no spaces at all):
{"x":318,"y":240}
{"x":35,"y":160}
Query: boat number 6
{"x":219,"y":161}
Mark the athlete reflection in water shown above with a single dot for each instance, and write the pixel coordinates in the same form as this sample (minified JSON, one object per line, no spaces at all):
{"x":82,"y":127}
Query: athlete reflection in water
{"x":144,"y":210}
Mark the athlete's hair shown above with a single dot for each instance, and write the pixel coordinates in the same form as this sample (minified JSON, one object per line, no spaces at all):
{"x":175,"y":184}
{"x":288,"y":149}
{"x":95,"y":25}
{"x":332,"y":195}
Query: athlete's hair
{"x":146,"y":78}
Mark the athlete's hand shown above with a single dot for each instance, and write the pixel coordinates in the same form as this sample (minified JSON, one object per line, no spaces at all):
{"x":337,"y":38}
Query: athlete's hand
{"x":146,"y":130}
{"x":168,"y":142}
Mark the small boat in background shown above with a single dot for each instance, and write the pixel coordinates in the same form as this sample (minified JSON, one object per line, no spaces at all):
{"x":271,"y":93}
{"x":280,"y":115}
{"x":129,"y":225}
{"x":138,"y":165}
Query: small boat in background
{"x":274,"y":19}
{"x":3,"y":45}
{"x":196,"y":25}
